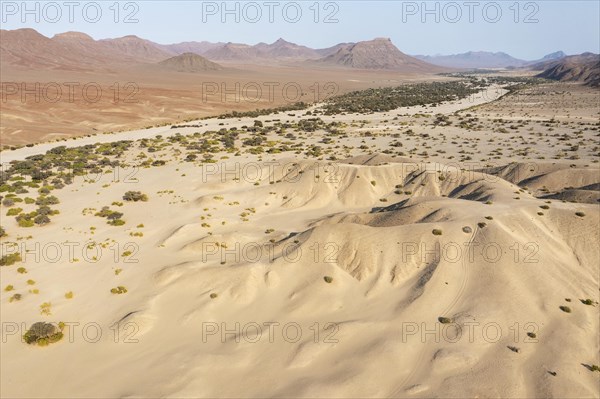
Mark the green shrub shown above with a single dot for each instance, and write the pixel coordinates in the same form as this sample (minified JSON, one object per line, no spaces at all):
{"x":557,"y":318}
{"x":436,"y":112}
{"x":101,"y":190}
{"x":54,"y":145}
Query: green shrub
{"x":119,"y":290}
{"x":11,"y":259}
{"x":42,"y":333}
{"x":135,"y":196}
{"x":15,"y":297}
{"x":14,"y":211}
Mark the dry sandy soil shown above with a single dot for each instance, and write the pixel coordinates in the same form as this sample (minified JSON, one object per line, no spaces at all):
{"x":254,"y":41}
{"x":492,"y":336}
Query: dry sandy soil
{"x":447,"y":251}
{"x":145,"y":96}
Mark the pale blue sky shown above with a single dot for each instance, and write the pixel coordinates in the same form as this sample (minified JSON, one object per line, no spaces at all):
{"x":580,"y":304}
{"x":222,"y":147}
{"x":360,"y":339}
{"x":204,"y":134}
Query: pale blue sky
{"x":539,"y":27}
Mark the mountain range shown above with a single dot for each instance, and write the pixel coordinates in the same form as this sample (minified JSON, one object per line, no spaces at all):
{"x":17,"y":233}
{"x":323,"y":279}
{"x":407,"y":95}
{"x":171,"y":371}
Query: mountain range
{"x":75,"y":51}
{"x":484,"y":59}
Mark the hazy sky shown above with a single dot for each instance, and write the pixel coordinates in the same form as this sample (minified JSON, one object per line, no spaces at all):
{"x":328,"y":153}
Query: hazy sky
{"x":524,"y":29}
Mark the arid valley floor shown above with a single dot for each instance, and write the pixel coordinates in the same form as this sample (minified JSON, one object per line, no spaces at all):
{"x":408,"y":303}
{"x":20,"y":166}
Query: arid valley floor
{"x":447,"y":250}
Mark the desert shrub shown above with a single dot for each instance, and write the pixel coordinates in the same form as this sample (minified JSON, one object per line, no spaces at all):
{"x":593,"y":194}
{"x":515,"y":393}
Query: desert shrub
{"x":445,"y":320}
{"x":21,"y":270}
{"x":50,"y":200}
{"x":42,"y":334}
{"x":8,"y":202}
{"x":135,"y":196}
{"x":25,"y":221}
{"x":328,"y":279}
{"x":14,"y":211}
{"x":213,"y":295}
{"x":119,"y":290}
{"x":580,"y":214}
{"x":565,"y":309}
{"x":9,"y":287}
{"x":10,"y":259}
{"x":41,"y":220}
{"x":2,"y":232}
{"x":588,"y":302}
{"x":69,"y":295}
{"x":437,"y":232}
{"x":15,"y":297}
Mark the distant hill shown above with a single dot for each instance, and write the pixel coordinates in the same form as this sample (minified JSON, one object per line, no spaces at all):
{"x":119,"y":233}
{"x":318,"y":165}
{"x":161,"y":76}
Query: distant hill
{"x":234,"y":52}
{"x":553,"y":56}
{"x":484,"y":59}
{"x":189,"y":62}
{"x":379,"y":53}
{"x":584,"y":68}
{"x":284,"y":49}
{"x":324,"y":52}
{"x":137,"y":48}
{"x":189,"y":47}
{"x":474,"y":59}
{"x":74,"y":51}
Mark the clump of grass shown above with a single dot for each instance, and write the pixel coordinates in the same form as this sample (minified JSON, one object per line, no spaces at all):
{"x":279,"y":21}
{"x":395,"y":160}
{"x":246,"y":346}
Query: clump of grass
{"x":532,"y":335}
{"x":69,"y":295}
{"x":588,"y":302}
{"x":481,"y":225}
{"x":213,"y":295}
{"x":118,"y":290}
{"x":21,"y":270}
{"x":488,"y":202}
{"x":436,"y":232}
{"x":445,"y":320}
{"x":489,"y":218}
{"x":580,"y":214}
{"x":594,"y":367}
{"x":467,"y":229}
{"x":565,"y":309}
{"x":544,"y":207}
{"x":328,"y":279}
{"x":9,"y":287}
